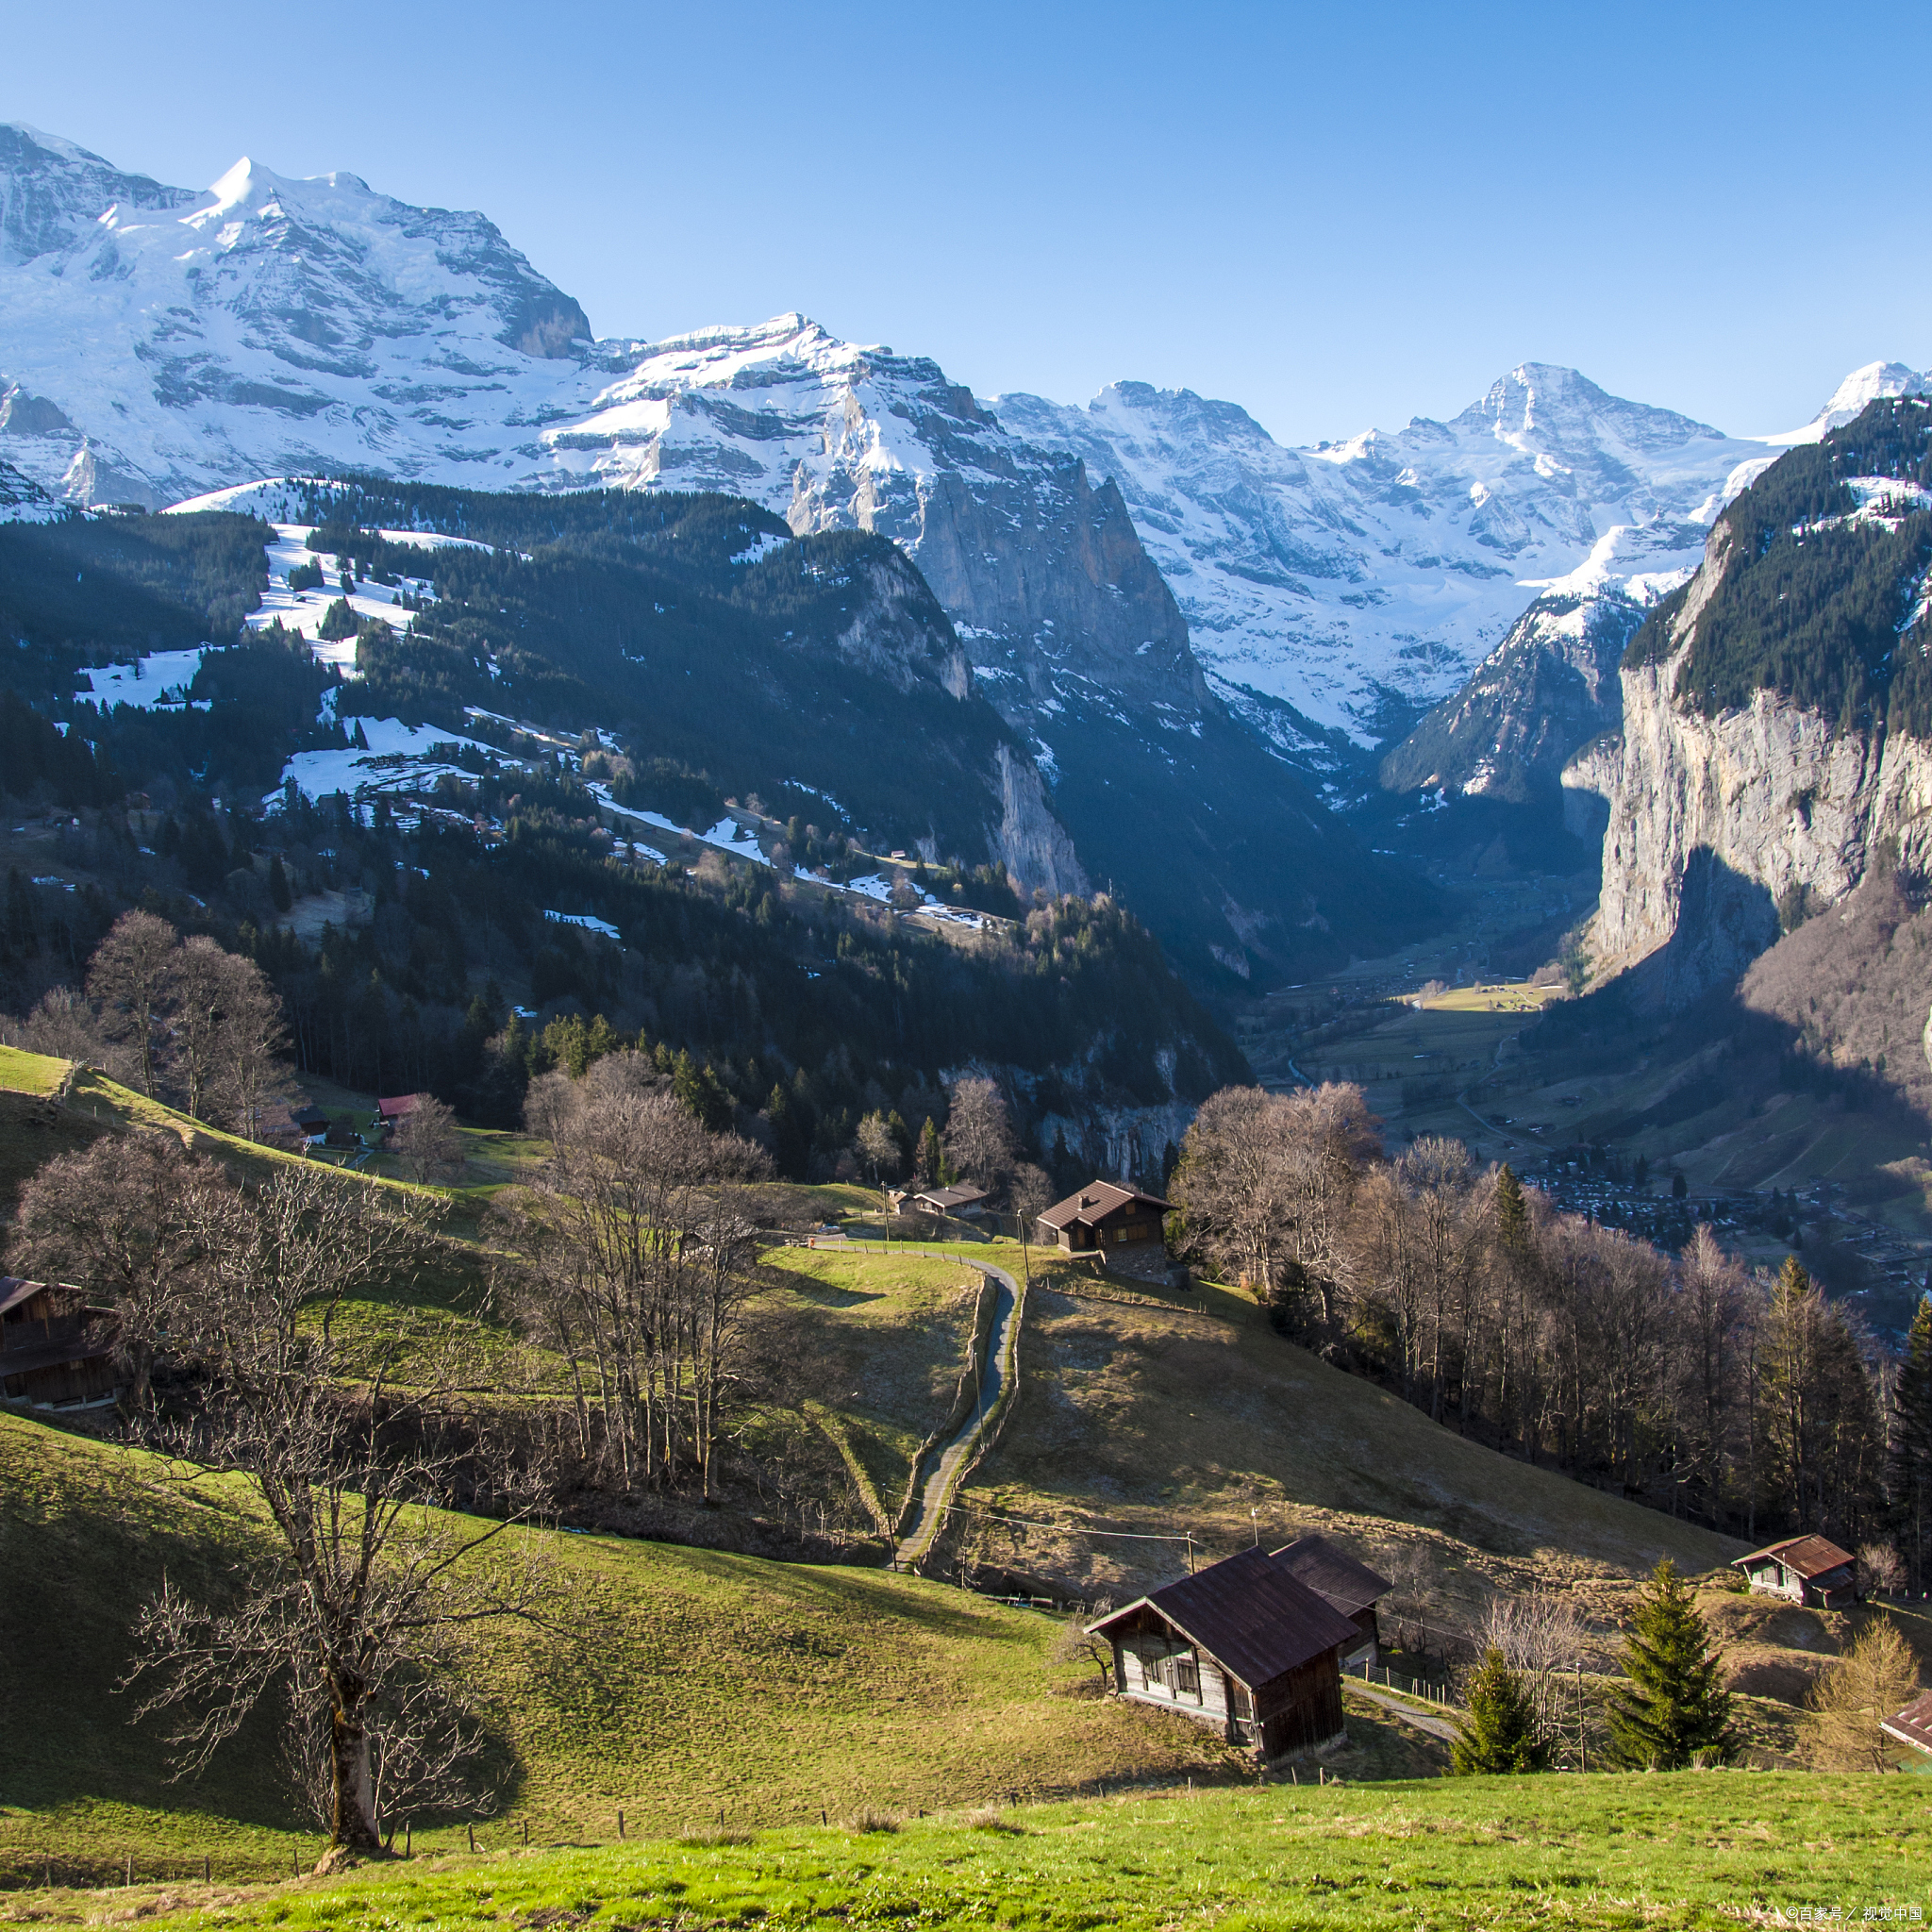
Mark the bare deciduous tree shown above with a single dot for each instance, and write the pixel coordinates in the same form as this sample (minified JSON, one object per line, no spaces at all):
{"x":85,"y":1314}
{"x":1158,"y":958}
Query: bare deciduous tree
{"x":363,"y":1594}
{"x":130,"y":976}
{"x":1876,"y":1678}
{"x":64,"y":1025}
{"x":120,"y":1221}
{"x":979,"y":1134}
{"x":1541,"y":1637}
{"x":637,"y":1264}
{"x":428,"y":1142}
{"x":878,"y":1149}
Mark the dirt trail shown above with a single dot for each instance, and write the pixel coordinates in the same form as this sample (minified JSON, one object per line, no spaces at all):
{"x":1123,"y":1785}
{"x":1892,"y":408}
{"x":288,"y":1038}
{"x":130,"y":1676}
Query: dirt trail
{"x":942,"y":1473}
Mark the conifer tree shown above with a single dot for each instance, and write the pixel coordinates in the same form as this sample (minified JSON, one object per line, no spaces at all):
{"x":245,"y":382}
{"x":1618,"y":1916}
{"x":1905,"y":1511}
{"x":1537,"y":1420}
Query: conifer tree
{"x":1911,"y":1448}
{"x":931,"y":1156}
{"x":1676,"y":1712}
{"x":278,"y":892}
{"x":1512,"y":1212}
{"x":1499,"y":1734}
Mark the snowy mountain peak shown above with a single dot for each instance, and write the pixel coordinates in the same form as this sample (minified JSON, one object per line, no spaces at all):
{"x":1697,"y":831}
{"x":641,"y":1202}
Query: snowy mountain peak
{"x":1862,"y":386}
{"x":52,"y":193}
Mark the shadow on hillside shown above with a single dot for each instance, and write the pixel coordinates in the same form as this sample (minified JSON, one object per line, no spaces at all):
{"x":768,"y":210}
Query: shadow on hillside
{"x":82,"y":1549}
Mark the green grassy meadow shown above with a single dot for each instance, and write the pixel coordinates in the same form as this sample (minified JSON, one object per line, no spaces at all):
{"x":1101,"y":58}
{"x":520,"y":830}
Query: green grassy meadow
{"x":679,"y":1683}
{"x":1692,"y":1850}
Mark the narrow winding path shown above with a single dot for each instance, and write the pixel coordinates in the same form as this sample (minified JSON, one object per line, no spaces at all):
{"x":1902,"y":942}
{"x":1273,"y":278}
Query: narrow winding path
{"x":948,"y":1461}
{"x":1437,"y":1727}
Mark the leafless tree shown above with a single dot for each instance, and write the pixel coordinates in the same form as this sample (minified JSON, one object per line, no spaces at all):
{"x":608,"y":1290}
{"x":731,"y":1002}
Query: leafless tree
{"x":1876,"y":1678}
{"x":64,"y":1025}
{"x":120,"y":1221}
{"x":637,"y":1262}
{"x":1268,"y":1182}
{"x":428,"y":1142}
{"x":979,"y":1134}
{"x":1541,"y":1637}
{"x":131,"y":975}
{"x":878,"y":1149}
{"x":250,"y":1064}
{"x":360,"y":1595}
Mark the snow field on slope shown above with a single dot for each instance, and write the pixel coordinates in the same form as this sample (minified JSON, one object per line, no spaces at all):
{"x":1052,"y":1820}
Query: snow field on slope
{"x":160,"y":678}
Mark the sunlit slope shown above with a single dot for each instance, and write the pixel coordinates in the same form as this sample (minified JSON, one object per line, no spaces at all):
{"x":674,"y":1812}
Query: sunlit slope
{"x":1145,"y":1419}
{"x":676,"y":1682}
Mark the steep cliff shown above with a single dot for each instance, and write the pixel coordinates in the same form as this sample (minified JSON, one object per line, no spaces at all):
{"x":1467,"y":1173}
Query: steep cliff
{"x":1776,"y":738}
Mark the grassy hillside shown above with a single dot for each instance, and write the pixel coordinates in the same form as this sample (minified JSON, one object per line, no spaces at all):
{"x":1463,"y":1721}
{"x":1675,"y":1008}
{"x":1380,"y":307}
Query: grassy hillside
{"x":1685,"y":1851}
{"x":687,"y":1681}
{"x":1136,"y":1417}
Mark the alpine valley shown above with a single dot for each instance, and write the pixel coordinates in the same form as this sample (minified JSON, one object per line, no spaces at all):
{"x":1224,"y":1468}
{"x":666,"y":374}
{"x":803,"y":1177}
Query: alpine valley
{"x":1139,"y":644}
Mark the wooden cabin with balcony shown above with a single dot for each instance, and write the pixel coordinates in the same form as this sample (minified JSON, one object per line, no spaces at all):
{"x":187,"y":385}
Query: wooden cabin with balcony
{"x":1243,"y":1646}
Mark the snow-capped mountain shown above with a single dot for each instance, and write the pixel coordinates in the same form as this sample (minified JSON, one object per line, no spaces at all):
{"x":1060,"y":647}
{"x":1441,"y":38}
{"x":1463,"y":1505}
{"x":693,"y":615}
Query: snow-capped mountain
{"x":1360,"y":581}
{"x":271,"y":328}
{"x":155,"y":342}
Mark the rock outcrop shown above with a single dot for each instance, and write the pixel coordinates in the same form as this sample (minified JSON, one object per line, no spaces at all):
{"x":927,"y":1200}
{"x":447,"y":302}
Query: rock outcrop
{"x":1723,"y":831}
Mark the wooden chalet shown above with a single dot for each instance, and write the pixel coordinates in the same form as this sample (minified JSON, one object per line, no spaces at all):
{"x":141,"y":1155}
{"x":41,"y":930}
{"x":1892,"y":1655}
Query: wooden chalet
{"x":1243,"y":1646}
{"x":1913,"y":1724}
{"x":962,"y":1198}
{"x":1344,"y":1585}
{"x":55,"y":1350}
{"x":1101,"y":1216}
{"x":1806,"y":1570}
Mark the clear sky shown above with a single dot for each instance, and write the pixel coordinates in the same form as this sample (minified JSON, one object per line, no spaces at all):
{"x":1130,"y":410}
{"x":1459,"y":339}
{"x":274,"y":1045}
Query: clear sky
{"x":1338,"y":216}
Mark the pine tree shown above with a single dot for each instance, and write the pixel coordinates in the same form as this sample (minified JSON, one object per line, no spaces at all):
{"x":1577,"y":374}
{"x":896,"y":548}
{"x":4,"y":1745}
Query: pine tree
{"x":1499,"y":1733}
{"x":278,"y":890}
{"x":1676,"y":1712}
{"x":1911,"y":1448}
{"x":1512,"y":1211}
{"x":931,"y":1156}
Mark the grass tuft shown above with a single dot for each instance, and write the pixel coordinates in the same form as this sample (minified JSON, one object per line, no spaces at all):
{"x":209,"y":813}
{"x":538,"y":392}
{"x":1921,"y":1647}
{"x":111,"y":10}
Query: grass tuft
{"x":991,"y":1817}
{"x":870,"y":1818}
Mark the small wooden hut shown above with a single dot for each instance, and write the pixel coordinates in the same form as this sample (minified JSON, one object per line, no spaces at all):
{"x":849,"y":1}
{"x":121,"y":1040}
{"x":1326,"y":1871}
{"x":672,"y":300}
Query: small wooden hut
{"x":1809,"y":1570}
{"x":1243,"y":1646}
{"x":55,"y":1351}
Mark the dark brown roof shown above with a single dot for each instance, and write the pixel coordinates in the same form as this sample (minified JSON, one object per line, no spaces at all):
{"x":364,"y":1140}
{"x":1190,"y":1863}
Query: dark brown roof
{"x":1097,"y":1200}
{"x":1913,"y":1724}
{"x":1251,"y":1614}
{"x":13,"y":1290}
{"x":1332,"y":1573}
{"x":962,"y":1195}
{"x":1809,"y":1556}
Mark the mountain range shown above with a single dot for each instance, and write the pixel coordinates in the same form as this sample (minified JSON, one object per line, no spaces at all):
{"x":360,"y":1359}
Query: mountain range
{"x":1200,"y":636}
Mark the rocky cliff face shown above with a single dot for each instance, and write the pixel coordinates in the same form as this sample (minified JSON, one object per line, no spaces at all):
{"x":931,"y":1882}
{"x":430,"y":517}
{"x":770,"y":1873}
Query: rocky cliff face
{"x":1725,"y":831}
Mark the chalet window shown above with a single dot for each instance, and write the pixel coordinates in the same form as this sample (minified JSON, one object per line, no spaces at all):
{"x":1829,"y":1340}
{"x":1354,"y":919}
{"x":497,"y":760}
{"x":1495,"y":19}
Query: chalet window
{"x":1187,"y":1677}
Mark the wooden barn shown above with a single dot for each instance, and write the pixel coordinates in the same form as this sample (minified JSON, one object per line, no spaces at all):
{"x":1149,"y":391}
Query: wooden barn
{"x":1808,"y":1570}
{"x":1344,"y":1585}
{"x":55,"y":1350}
{"x":1102,"y":1215}
{"x":1243,"y":1646}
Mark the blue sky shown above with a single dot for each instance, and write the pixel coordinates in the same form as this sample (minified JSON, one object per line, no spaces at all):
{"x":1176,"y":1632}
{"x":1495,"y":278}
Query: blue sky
{"x":1337,"y":216}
